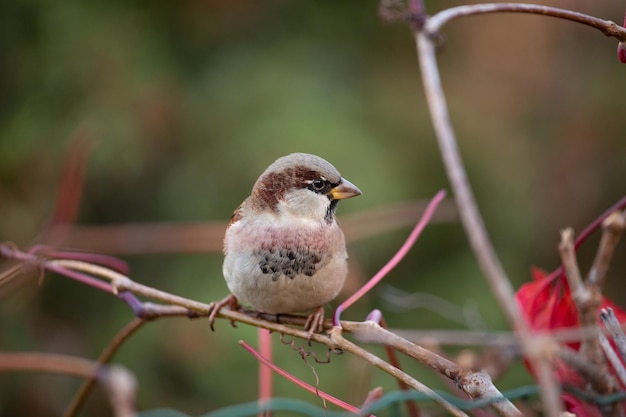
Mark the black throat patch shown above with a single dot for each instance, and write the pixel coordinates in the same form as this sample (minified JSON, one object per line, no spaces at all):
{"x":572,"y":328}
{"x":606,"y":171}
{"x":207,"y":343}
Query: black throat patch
{"x":330,"y":211}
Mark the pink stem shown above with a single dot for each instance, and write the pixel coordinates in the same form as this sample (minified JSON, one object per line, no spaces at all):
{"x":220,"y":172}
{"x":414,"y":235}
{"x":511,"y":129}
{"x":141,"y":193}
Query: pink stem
{"x":404,"y":249}
{"x":299,"y":382}
{"x":27,"y":257}
{"x":80,"y":277}
{"x":110,"y":262}
{"x":580,"y":239}
{"x":265,"y":373}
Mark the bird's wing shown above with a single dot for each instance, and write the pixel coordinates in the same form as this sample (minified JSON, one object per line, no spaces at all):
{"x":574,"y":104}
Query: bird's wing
{"x":237,"y":214}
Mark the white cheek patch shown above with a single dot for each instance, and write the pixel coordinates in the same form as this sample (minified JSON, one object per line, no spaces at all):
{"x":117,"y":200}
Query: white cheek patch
{"x":306,"y":204}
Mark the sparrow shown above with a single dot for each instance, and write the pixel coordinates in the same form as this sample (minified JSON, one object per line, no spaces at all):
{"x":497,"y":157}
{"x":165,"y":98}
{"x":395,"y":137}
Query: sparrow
{"x":284,"y":250}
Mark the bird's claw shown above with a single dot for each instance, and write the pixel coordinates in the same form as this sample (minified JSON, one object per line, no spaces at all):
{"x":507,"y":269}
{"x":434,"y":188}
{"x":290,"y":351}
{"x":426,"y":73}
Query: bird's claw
{"x":230,"y":301}
{"x":315,"y":322}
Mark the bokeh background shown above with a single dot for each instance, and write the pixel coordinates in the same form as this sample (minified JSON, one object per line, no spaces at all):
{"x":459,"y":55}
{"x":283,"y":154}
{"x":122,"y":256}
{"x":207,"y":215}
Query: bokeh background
{"x":183,"y":104}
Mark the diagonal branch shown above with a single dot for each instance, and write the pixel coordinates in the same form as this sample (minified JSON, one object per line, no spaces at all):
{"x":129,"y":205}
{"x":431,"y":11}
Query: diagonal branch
{"x":474,"y":384}
{"x":105,"y":357}
{"x":338,"y":341}
{"x":472,"y":220}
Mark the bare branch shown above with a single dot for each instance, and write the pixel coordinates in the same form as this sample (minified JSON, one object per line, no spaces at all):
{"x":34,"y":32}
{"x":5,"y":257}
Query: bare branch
{"x":617,"y":333}
{"x":613,"y":359}
{"x":120,"y":283}
{"x":607,"y":27}
{"x":121,"y":386}
{"x":47,"y":362}
{"x":464,"y":197}
{"x":146,"y":238}
{"x":612,"y":229}
{"x":587,"y":299}
{"x":475,"y":384}
{"x":471,"y":219}
{"x":339,"y":342}
{"x":580,"y":293}
{"x":599,"y":379}
{"x":119,"y":382}
{"x":592,"y":227}
{"x":104,"y":358}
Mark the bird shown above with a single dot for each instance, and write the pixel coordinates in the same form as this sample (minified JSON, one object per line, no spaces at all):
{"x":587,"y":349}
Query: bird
{"x":284,"y":251}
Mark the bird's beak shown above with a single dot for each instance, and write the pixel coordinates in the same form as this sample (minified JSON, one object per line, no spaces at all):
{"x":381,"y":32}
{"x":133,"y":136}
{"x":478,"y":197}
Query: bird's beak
{"x":344,"y":190}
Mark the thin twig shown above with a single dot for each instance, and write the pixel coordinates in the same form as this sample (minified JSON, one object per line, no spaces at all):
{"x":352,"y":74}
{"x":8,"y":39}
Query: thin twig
{"x":586,"y":299}
{"x":267,"y":363}
{"x":580,"y":293}
{"x":599,"y":379}
{"x":47,"y":362}
{"x":612,"y":229}
{"x":587,"y":231}
{"x":372,"y":332}
{"x":393,"y":360}
{"x":120,"y":283}
{"x":613,"y":359}
{"x":104,"y":358}
{"x":395,"y":259}
{"x":472,"y":221}
{"x":121,"y":386}
{"x":338,"y":341}
{"x":153,"y":238}
{"x":495,"y":339}
{"x":607,"y":27}
{"x":475,"y":384}
{"x":617,"y":333}
{"x":464,"y":197}
{"x":373,"y":396}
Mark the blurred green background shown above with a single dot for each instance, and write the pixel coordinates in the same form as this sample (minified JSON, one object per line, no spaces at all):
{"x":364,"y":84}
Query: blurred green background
{"x":185,"y":103}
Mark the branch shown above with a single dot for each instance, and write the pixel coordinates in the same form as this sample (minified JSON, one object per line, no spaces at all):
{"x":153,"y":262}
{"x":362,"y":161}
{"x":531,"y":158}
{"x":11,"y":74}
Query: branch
{"x":472,"y":221}
{"x":613,"y":359}
{"x":117,"y":381}
{"x":121,"y":283}
{"x":599,"y":379}
{"x":464,"y":197}
{"x":587,"y":299}
{"x":47,"y":362}
{"x":313,"y":390}
{"x":104,"y":358}
{"x":613,"y":326}
{"x":121,"y":385}
{"x":339,"y":342}
{"x":587,"y":231}
{"x":607,"y":27}
{"x":150,"y":238}
{"x":612,"y":229}
{"x":475,"y":384}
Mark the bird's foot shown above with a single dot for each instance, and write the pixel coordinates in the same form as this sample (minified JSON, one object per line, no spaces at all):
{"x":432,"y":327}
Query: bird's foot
{"x":230,"y":301}
{"x":315,"y":322}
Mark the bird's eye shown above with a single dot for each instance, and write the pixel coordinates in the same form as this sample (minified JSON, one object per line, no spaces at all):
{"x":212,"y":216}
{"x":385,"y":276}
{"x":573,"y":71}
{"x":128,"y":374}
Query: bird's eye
{"x":318,"y":184}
